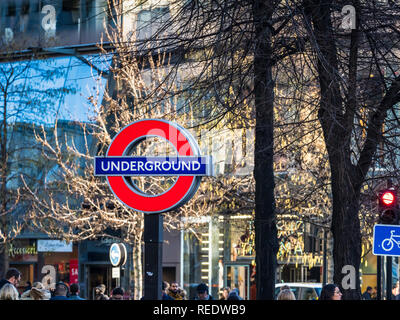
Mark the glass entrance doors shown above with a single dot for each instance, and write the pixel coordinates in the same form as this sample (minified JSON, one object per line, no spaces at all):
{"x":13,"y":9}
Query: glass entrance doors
{"x":238,"y":276}
{"x":99,"y":274}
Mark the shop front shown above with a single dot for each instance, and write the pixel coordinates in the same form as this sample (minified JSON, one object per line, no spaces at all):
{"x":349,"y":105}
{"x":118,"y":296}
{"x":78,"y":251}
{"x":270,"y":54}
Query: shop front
{"x":95,"y":268}
{"x":44,"y":260}
{"x":50,"y":261}
{"x":220,"y":253}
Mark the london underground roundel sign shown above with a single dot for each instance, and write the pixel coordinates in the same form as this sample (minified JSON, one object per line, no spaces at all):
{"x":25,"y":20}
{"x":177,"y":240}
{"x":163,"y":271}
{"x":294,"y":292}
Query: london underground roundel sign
{"x":188,"y":165}
{"x":118,"y":254}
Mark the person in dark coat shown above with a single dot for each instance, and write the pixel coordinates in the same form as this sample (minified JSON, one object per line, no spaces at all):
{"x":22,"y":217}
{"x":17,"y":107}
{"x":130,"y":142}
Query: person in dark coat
{"x":202,"y":292}
{"x":61,"y":292}
{"x":330,"y":292}
{"x":164,"y":287}
{"x":117,"y":294}
{"x":175,"y":292}
{"x":100,"y":293}
{"x":13,"y":276}
{"x":367,"y":294}
{"x":74,"y":290}
{"x":28,"y":286}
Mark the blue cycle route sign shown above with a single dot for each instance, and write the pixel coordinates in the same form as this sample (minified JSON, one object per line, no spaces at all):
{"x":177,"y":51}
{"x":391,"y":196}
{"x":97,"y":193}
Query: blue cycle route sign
{"x":386,"y":240}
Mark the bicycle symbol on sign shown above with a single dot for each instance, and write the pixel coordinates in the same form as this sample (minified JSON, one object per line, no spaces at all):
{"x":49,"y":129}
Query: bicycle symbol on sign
{"x":387,"y":244}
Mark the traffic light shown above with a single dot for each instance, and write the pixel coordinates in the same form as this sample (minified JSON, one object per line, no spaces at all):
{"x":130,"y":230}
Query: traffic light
{"x":388,"y":207}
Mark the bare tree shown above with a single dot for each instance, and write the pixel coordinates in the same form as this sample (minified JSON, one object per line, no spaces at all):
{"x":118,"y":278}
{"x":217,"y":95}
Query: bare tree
{"x":232,"y":46}
{"x":356,"y":69}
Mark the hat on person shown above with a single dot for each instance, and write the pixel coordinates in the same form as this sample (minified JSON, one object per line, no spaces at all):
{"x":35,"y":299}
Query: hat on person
{"x":118,"y":290}
{"x":202,"y":287}
{"x":101,"y":288}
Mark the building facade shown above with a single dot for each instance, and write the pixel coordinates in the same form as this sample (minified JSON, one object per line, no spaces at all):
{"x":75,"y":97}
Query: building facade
{"x":221,"y":250}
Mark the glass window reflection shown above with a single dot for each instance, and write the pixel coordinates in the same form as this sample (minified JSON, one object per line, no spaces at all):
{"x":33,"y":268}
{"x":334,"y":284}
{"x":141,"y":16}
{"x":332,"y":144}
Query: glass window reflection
{"x":35,"y":23}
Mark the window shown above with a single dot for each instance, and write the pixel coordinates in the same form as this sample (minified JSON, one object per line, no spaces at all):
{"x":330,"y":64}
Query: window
{"x":150,"y":22}
{"x":11,"y":10}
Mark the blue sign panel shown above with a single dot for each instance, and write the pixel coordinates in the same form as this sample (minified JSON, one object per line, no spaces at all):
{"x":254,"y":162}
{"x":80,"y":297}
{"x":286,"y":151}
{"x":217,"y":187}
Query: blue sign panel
{"x":115,"y":254}
{"x":152,"y":166}
{"x":386,"y":240}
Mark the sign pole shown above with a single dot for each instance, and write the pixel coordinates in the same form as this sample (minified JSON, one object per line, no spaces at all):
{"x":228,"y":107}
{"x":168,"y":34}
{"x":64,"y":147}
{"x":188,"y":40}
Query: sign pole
{"x":379,"y":278}
{"x":324,"y":269}
{"x":388,"y":278}
{"x":153,"y":239}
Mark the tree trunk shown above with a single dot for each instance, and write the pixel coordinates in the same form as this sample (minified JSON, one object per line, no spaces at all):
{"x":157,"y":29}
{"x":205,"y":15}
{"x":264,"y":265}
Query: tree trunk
{"x":346,"y":233}
{"x":4,"y":260}
{"x":266,"y":243}
{"x":337,"y":120}
{"x":137,"y":270}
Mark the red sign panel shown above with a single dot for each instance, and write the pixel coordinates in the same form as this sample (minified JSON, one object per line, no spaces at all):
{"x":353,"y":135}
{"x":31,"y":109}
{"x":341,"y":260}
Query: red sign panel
{"x":73,"y":271}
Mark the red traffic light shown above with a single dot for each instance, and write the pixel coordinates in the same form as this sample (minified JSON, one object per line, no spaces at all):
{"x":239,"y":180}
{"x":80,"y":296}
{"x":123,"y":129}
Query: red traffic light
{"x":388,"y":198}
{"x":388,"y":209}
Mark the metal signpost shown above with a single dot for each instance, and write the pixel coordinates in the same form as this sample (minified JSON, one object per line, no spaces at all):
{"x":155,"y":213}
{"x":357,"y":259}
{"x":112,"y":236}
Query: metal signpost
{"x":386,"y":241}
{"x":118,"y":255}
{"x":118,"y":166}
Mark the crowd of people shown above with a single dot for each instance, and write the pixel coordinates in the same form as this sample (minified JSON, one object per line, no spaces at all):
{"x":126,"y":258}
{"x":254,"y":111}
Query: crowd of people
{"x":328,"y":292}
{"x":61,"y":291}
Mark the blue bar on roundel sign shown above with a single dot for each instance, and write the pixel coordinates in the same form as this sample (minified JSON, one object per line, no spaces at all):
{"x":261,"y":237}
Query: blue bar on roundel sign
{"x":152,"y":166}
{"x":386,"y":241}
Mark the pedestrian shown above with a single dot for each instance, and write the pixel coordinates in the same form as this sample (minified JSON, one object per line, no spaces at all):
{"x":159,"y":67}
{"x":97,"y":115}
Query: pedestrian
{"x":396,"y":291}
{"x":175,"y":292}
{"x":164,"y":288}
{"x":117,"y":294}
{"x":128,"y":295}
{"x":9,"y":292}
{"x":286,"y":294}
{"x":28,"y":286}
{"x":202,"y":292}
{"x":225,"y":293}
{"x":234,"y":295}
{"x":367,"y":295}
{"x":74,"y":292}
{"x":253,"y":289}
{"x":100,"y":293}
{"x":37,"y":292}
{"x":13,"y":276}
{"x":183,"y":293}
{"x":60,"y":292}
{"x":330,"y":292}
{"x":284,"y":287}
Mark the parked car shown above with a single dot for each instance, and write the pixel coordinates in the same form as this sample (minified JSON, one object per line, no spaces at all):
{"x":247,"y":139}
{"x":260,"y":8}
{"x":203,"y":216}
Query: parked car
{"x":302,"y":291}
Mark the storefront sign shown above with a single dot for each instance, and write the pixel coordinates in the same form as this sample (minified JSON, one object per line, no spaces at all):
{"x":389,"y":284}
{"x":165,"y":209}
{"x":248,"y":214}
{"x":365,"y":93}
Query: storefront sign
{"x":73,"y":271}
{"x":188,"y":165}
{"x":16,"y":250}
{"x":49,"y":279}
{"x":53,"y":246}
{"x":116,"y":273}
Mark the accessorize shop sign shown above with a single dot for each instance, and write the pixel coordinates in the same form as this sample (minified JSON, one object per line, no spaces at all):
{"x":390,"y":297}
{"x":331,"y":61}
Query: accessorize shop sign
{"x":53,"y":246}
{"x":14,"y":250}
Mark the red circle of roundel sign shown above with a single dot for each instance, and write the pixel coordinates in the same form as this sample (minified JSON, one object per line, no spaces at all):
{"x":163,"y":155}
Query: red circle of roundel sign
{"x":188,"y":165}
